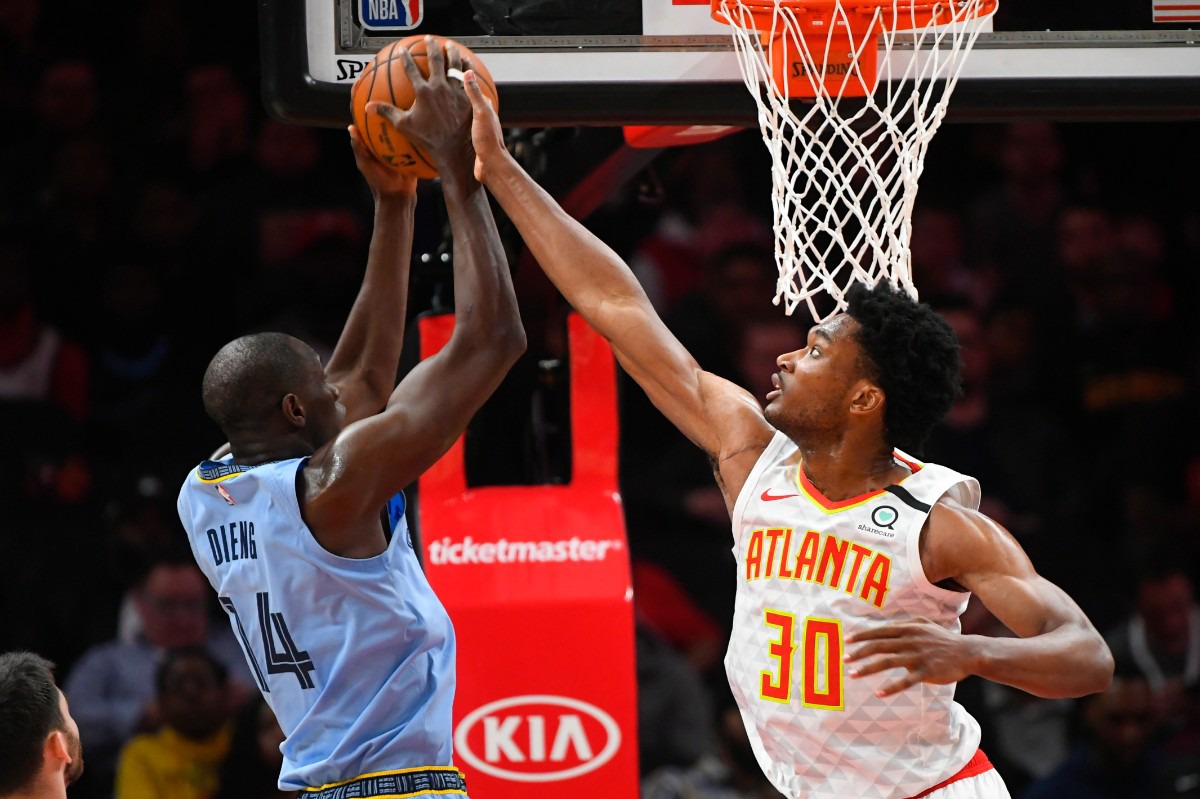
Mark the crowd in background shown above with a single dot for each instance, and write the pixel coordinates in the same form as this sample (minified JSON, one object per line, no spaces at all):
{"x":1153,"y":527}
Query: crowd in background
{"x":150,"y":211}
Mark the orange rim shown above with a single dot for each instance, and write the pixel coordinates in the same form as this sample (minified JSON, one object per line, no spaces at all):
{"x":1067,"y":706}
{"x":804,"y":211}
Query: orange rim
{"x":814,"y":15}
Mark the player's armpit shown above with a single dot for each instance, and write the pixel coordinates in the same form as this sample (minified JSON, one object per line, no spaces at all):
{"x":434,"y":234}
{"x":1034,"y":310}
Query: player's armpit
{"x":720,"y":417}
{"x":1058,"y":652}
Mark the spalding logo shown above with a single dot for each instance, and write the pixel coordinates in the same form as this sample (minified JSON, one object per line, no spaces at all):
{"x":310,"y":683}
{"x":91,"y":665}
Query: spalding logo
{"x":537,"y":738}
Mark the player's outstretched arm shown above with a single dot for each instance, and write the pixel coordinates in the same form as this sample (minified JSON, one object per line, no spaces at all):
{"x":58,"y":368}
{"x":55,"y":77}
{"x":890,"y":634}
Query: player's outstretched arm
{"x":718,"y":416}
{"x":371,"y":460}
{"x":1058,"y":652}
{"x":364,"y":362}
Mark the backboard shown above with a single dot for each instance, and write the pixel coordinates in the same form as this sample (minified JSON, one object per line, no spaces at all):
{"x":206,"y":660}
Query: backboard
{"x":662,"y":62}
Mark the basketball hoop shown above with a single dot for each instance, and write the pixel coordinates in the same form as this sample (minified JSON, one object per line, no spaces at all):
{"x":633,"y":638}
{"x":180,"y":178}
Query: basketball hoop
{"x":873,"y":79}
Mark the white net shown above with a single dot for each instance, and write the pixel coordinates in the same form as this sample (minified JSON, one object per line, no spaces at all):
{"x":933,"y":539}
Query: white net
{"x":845,"y":168}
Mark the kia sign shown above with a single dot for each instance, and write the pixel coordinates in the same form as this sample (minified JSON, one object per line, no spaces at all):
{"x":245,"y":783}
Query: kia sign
{"x":537,"y":738}
{"x":536,"y":579}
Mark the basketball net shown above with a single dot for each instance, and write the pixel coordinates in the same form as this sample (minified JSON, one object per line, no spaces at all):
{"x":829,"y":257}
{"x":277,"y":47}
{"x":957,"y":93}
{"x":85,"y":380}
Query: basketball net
{"x":872,"y":79}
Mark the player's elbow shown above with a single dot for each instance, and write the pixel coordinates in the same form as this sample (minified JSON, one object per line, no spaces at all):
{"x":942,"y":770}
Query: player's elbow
{"x":1094,"y":671}
{"x":510,"y":341}
{"x":1103,"y":668}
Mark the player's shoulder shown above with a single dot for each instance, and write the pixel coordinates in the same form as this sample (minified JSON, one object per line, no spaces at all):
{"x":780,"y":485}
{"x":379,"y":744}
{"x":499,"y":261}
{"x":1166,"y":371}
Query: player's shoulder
{"x":950,"y":513}
{"x":962,"y":534}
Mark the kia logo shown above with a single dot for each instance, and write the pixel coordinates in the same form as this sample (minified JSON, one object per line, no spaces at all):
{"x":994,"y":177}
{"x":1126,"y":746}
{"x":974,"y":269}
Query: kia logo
{"x":537,"y":738}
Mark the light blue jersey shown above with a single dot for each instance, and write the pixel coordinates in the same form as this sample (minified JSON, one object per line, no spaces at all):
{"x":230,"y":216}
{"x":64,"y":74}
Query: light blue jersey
{"x":356,"y":657}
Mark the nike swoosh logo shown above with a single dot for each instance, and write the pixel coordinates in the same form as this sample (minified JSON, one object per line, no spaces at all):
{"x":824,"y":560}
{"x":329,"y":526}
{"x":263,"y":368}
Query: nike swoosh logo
{"x":767,"y":496}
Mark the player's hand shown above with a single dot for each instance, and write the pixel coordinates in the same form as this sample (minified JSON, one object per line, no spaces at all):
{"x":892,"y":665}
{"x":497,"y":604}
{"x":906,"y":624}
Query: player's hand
{"x":929,"y":653}
{"x":440,"y":117}
{"x":486,"y":133}
{"x":383,"y":180}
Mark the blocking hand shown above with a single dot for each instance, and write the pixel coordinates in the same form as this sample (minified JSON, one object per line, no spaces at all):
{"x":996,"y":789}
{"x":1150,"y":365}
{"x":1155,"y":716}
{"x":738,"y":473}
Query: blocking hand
{"x":486,"y":133}
{"x":929,"y":652}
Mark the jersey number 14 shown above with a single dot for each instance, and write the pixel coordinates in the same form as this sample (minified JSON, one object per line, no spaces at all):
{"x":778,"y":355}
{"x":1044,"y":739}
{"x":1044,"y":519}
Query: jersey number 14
{"x":280,"y":652}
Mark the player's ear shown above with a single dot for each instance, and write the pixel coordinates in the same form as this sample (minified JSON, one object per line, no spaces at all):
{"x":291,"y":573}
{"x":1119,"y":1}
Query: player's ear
{"x":56,"y":751}
{"x":293,"y":410}
{"x":866,"y":397}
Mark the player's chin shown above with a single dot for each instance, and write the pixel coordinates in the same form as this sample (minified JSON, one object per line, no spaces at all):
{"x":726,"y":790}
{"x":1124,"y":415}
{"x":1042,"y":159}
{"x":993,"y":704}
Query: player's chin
{"x":773,"y":411}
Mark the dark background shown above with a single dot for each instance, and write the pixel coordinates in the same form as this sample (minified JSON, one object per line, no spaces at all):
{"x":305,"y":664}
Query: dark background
{"x":150,"y":211}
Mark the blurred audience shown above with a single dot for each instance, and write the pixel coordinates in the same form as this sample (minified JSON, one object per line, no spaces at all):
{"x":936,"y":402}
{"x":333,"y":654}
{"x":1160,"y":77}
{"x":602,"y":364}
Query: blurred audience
{"x":115,"y":682}
{"x":1160,"y":640}
{"x":251,"y":771}
{"x":182,"y":757}
{"x":1118,"y":758}
{"x":729,"y":772}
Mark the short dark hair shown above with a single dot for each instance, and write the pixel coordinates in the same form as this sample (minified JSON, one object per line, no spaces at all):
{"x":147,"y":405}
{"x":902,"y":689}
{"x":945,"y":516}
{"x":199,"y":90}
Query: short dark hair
{"x":913,"y":354}
{"x":29,"y":712}
{"x":248,"y":376}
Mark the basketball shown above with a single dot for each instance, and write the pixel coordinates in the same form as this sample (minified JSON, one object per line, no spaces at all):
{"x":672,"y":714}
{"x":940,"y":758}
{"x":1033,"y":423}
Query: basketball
{"x":385,"y":80}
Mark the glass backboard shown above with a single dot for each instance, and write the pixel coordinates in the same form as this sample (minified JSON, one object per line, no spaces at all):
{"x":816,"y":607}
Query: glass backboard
{"x":663,"y":62}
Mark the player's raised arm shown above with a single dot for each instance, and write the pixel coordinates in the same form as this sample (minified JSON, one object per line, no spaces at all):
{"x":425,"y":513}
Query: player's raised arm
{"x":363,"y":364}
{"x":432,"y":405}
{"x":1058,"y":653}
{"x":600,"y":286}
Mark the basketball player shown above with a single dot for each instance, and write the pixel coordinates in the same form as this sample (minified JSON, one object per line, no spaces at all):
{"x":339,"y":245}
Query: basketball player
{"x":301,"y":529}
{"x":40,"y":752}
{"x":854,"y":559}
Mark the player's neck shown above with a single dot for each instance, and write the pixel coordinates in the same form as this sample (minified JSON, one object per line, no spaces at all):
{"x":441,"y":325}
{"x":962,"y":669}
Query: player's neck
{"x":45,"y":786}
{"x":254,"y":452}
{"x":850,"y":469}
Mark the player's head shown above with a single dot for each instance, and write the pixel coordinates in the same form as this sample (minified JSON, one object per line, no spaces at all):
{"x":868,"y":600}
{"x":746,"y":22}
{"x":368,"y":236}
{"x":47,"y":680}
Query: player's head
{"x":887,"y":360}
{"x":913,"y":355}
{"x":38,"y":738}
{"x":271,"y":386}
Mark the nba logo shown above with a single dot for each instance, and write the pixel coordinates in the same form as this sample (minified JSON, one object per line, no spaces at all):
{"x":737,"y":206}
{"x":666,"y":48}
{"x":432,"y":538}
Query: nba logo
{"x":390,"y":15}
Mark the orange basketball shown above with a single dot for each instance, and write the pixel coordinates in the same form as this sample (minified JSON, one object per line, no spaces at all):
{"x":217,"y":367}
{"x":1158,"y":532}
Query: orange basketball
{"x":385,"y":80}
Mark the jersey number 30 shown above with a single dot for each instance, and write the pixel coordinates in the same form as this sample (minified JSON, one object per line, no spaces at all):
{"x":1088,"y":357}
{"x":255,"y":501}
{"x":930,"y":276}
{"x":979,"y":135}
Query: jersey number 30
{"x":820,"y":687}
{"x":280,"y":652}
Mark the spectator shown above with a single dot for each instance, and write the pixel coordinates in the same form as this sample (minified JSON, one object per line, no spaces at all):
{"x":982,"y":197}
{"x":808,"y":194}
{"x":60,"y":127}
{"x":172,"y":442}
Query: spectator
{"x":251,"y":771}
{"x":1012,"y":227}
{"x":182,"y":758}
{"x":36,"y":362}
{"x":114,"y":683}
{"x":730,"y":772}
{"x":1118,"y":759}
{"x":1160,"y":640}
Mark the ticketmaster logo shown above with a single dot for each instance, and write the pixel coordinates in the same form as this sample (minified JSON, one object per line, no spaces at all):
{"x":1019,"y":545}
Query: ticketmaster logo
{"x":449,"y":551}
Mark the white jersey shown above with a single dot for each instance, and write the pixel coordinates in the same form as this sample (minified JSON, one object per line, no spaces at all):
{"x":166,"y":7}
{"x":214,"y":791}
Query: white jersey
{"x":810,"y":572}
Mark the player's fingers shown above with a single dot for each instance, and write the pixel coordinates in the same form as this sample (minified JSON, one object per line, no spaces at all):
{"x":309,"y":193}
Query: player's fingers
{"x":896,"y":686}
{"x":454,"y":59}
{"x":877,"y":665}
{"x":410,"y":67}
{"x":876,"y":633}
{"x":386,"y":110}
{"x":479,"y":102}
{"x":437,"y":60}
{"x":886,"y":646}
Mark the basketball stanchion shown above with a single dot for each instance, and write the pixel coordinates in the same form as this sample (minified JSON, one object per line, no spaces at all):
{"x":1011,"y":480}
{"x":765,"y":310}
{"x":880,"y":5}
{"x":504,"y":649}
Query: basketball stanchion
{"x":536,"y":580}
{"x":849,"y":95}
